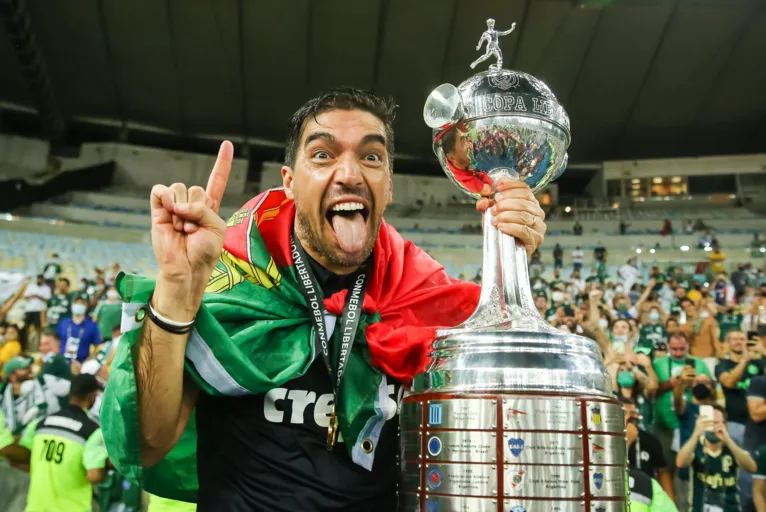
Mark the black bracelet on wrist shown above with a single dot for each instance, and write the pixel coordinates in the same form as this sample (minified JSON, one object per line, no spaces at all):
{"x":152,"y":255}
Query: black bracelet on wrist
{"x":166,"y":324}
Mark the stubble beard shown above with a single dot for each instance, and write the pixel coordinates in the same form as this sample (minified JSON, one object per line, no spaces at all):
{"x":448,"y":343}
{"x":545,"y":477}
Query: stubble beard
{"x":312,"y":241}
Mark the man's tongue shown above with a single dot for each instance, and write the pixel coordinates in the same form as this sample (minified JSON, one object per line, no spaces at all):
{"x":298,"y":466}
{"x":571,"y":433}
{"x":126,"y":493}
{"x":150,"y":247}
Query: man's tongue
{"x":351,"y":231}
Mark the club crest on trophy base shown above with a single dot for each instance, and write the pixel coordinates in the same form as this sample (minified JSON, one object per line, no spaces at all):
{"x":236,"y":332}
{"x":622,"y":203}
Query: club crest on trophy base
{"x":510,"y":412}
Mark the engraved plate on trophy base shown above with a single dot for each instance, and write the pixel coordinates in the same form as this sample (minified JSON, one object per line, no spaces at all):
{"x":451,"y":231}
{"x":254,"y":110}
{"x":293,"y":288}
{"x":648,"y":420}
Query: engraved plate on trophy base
{"x":411,"y":416}
{"x":607,"y":481}
{"x":542,"y":448}
{"x":605,"y":417}
{"x":462,"y":479}
{"x":515,"y":505}
{"x":463,"y":414}
{"x":544,"y":481}
{"x":410,"y":475}
{"x":409,"y":502}
{"x":541,"y":414}
{"x":608,"y":506}
{"x":608,"y":449}
{"x":462,"y":446}
{"x":459,"y":504}
{"x":411,"y":444}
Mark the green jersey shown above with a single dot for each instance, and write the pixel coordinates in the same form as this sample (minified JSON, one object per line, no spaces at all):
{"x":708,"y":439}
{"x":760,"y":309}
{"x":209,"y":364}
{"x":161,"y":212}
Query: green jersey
{"x":646,"y":494}
{"x":675,"y":308}
{"x":729,"y":322}
{"x":666,"y":367}
{"x":118,"y":493}
{"x":648,"y":335}
{"x":714,"y":481}
{"x":108,"y":316}
{"x":64,"y":447}
{"x":59,"y":307}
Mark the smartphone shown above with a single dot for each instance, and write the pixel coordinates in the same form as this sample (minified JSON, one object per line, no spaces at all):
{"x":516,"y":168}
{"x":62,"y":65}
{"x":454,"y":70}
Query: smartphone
{"x":706,"y":411}
{"x":618,"y":347}
{"x":690,"y":362}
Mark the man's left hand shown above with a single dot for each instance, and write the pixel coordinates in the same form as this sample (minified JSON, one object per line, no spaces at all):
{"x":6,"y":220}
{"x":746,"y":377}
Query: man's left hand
{"x":516,"y":212}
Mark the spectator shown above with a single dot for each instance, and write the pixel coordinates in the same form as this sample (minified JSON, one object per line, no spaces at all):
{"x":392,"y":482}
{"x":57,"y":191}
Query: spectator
{"x":20,"y":402}
{"x":717,"y":259}
{"x":577,"y":228}
{"x":52,"y":270}
{"x":740,"y":280}
{"x":652,"y":331}
{"x":10,"y":344}
{"x":577,"y":258}
{"x":723,"y":291}
{"x":646,"y":494}
{"x":558,"y":256}
{"x":59,"y":305}
{"x":79,"y":334}
{"x":623,"y":227}
{"x":702,"y":331}
{"x":599,"y":253}
{"x":667,"y":228}
{"x":629,"y":273}
{"x":66,"y":453}
{"x":730,"y":319}
{"x":669,"y":369}
{"x":644,"y":451}
{"x":108,"y":313}
{"x":36,"y":297}
{"x":715,"y":459}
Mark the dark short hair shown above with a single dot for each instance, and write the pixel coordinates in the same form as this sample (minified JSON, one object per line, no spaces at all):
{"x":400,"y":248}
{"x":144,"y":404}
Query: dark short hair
{"x":65,"y":280}
{"x":678,"y":334}
{"x":344,"y":98}
{"x":51,"y":332}
{"x":449,"y":140}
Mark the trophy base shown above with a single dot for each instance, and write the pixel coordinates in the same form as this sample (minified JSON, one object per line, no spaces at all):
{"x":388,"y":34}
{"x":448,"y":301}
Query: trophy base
{"x":512,"y":452}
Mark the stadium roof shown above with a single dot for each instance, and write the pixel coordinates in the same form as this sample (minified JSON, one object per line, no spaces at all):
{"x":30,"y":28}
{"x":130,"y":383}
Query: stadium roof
{"x":640,"y":78}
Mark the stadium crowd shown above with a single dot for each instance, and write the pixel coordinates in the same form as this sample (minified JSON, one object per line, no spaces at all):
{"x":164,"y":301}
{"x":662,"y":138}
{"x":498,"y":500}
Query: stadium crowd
{"x":685,"y":353}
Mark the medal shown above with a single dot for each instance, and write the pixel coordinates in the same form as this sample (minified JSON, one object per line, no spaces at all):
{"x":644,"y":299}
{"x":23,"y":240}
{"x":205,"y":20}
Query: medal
{"x":332,"y":429}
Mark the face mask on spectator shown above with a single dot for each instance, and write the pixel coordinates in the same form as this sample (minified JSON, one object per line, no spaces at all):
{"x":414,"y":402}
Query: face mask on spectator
{"x":78,"y":309}
{"x":701,"y":391}
{"x":626,"y":379}
{"x":711,"y":437}
{"x":622,"y":338}
{"x":112,"y":294}
{"x":603,"y":323}
{"x":619,"y":289}
{"x":557,"y":296}
{"x":622,"y":308}
{"x":654,"y":315}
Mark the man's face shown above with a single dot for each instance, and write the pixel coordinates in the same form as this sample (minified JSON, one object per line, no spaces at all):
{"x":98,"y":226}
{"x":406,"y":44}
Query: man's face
{"x":21,"y":375}
{"x":671,"y":327}
{"x":678,"y":348}
{"x":680,"y":293}
{"x":48,"y":344}
{"x":341,"y":185}
{"x":459,"y":155}
{"x":541,"y":303}
{"x":40,"y":281}
{"x":737,"y":341}
{"x":62,"y":287}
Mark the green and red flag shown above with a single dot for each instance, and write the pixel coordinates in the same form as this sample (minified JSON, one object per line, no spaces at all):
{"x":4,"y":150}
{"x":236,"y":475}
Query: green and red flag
{"x":253,"y":333}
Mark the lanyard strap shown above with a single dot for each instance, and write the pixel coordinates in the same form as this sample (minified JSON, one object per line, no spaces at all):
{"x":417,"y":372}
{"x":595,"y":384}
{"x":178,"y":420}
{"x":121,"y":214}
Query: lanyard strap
{"x":349,"y":320}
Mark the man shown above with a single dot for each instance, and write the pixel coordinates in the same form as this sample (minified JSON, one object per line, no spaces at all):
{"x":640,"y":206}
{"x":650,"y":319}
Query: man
{"x":56,"y":374}
{"x":79,"y":334}
{"x":14,"y":483}
{"x":577,"y":258}
{"x":599,"y":253}
{"x":59,"y":305}
{"x":734,"y":374}
{"x":52,"y":270}
{"x":644,"y":450}
{"x":687,"y":408}
{"x":759,"y":480}
{"x":646,"y":494}
{"x":669,"y":369}
{"x":755,"y":429}
{"x":23,"y":399}
{"x":651,"y":332}
{"x":108,"y":313}
{"x":36,"y":296}
{"x":702,"y":331}
{"x":455,"y":146}
{"x":717,"y":259}
{"x":491,"y":37}
{"x":66,"y":453}
{"x":729,"y":320}
{"x":740,"y":280}
{"x":273,"y":445}
{"x":629,"y":273}
{"x":715,"y":460}
{"x":558,"y":256}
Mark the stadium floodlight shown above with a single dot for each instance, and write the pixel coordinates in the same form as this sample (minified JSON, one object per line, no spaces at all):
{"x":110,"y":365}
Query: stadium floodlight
{"x":762,"y":249}
{"x":684,"y":248}
{"x":708,"y":248}
{"x":568,"y":209}
{"x":652,"y":251}
{"x":638,"y":251}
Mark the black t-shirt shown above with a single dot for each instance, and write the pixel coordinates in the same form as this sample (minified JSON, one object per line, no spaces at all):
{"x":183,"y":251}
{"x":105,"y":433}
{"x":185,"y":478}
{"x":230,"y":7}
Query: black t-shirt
{"x":269,"y":452}
{"x":651,"y":458}
{"x":736,"y":399}
{"x":755,"y":433}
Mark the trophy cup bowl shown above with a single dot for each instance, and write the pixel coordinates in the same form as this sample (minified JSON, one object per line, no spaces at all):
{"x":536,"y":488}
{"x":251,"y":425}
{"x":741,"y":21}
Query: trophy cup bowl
{"x":511,"y":415}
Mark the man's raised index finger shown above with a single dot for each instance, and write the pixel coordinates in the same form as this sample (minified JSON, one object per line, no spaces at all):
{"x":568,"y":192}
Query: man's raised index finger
{"x":216,"y":184}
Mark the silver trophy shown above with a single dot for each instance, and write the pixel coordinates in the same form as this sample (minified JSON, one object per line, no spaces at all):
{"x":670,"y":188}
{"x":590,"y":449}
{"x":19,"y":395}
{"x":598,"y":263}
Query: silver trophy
{"x":511,"y":415}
